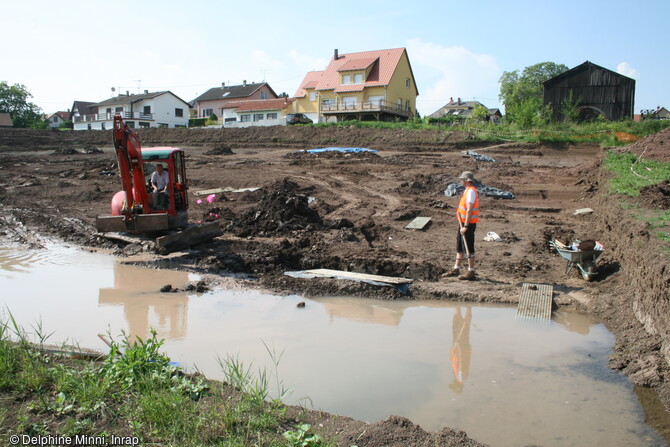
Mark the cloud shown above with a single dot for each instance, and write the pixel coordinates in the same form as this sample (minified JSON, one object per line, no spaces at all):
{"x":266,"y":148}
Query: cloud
{"x":626,"y":69}
{"x":307,"y":63}
{"x":444,"y":72}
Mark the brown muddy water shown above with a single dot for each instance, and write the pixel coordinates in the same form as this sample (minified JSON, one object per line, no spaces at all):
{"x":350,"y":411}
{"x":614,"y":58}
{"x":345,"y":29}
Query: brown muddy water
{"x":505,"y":381}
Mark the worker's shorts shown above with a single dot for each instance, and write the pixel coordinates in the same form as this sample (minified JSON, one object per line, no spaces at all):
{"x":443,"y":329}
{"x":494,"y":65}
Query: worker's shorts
{"x":469,"y":240}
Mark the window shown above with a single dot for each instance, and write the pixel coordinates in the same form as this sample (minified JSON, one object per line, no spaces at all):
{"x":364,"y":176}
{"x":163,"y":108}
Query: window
{"x":206,"y":113}
{"x":358,"y":79}
{"x":131,"y":124}
{"x":162,"y":125}
{"x":179,"y":113}
{"x":407,"y":82}
{"x":258,"y":117}
{"x":407,"y":105}
{"x":144,"y":125}
{"x":119,"y":109}
{"x":346,"y":79}
{"x":349,"y":101}
{"x":312,"y":96}
{"x":328,"y":104}
{"x":109,"y":110}
{"x":264,"y":95}
{"x":245,"y":118}
{"x":271,"y":116}
{"x":147,"y":109}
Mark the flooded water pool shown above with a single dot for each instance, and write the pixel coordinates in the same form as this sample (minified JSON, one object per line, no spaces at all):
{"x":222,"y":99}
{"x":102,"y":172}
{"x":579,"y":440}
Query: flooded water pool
{"x":505,"y":381}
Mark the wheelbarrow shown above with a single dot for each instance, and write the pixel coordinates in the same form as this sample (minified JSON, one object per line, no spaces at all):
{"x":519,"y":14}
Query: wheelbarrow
{"x":585,"y":261}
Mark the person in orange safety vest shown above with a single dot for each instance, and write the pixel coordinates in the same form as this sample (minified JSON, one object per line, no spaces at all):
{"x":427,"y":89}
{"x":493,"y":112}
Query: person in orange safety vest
{"x":467,"y":216}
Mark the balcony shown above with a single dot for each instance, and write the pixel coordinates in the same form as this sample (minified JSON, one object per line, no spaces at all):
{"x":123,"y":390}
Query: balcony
{"x":379,"y":110}
{"x":110,"y":117}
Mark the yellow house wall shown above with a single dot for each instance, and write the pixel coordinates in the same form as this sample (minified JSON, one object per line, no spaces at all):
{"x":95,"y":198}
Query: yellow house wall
{"x":396,"y":88}
{"x":303,"y":105}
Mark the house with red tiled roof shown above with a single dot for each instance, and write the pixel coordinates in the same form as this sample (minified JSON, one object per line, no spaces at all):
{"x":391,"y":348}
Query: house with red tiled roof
{"x":260,"y":112}
{"x":214,"y":100}
{"x":370,"y":85}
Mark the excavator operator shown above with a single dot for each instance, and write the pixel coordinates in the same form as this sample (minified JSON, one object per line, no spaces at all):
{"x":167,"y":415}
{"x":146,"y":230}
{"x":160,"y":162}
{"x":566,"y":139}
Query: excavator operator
{"x":159,"y":183}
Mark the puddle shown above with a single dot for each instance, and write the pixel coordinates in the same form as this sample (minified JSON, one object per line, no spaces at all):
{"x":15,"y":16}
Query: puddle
{"x":505,"y":381}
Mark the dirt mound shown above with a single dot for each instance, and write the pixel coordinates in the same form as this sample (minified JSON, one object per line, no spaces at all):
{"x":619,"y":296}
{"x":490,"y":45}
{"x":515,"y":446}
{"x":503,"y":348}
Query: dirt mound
{"x":66,"y":151}
{"x":656,"y":196}
{"x":220,"y":150}
{"x":422,"y":184}
{"x":654,"y":147}
{"x":282,"y":209}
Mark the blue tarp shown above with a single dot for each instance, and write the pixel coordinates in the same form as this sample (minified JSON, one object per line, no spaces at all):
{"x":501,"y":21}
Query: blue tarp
{"x":339,"y":149}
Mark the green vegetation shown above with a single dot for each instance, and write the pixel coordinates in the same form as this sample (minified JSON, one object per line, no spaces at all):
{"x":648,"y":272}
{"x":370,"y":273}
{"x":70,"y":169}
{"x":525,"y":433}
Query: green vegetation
{"x":631,"y":174}
{"x":137,"y":393}
{"x":14,"y":100}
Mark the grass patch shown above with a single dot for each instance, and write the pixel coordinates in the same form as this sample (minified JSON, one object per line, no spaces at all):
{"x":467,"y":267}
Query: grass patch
{"x":137,"y":393}
{"x":633,"y":174}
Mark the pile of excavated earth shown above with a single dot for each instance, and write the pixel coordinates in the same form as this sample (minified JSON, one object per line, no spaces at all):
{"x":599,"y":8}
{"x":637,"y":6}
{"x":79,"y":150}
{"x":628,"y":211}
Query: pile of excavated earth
{"x":284,"y":209}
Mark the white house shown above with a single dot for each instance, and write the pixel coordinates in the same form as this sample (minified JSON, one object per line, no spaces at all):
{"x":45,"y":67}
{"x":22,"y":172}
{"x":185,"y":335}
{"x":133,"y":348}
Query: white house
{"x":157,"y":109}
{"x":57,"y":118}
{"x":263,"y":112}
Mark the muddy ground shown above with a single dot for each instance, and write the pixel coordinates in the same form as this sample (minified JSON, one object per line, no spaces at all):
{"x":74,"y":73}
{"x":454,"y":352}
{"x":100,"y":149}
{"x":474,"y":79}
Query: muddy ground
{"x":349,"y":212}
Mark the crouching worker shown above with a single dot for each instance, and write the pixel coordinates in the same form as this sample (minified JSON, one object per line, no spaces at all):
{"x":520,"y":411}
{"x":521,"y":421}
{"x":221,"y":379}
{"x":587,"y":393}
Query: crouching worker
{"x":159,"y":184}
{"x":467,"y":216}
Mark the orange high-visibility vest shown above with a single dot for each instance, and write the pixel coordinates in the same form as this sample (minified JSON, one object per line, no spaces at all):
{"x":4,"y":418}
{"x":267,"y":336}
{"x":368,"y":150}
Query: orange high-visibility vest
{"x":462,"y":207}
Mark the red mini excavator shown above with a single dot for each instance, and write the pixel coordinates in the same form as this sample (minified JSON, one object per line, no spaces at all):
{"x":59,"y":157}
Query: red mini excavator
{"x":137,"y":209}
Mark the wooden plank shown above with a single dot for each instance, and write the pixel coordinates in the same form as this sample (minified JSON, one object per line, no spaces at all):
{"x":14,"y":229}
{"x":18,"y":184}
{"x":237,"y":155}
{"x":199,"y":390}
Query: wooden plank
{"x":206,"y":192}
{"x":535,"y":301}
{"x":418,"y":223}
{"x":328,"y":273}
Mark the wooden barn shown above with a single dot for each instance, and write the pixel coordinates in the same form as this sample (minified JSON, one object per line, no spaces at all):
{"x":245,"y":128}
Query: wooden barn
{"x":600,"y":92}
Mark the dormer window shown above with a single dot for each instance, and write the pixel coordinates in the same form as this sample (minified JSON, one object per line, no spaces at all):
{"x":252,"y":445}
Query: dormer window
{"x":358,"y":79}
{"x":346,"y":79}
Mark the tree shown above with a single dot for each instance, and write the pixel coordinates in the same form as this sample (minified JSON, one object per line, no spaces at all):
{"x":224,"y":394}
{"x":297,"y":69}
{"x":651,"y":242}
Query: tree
{"x":524,"y":91}
{"x":14,"y":100}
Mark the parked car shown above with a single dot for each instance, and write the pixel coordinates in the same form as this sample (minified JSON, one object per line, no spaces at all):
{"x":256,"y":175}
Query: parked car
{"x":297,"y":118}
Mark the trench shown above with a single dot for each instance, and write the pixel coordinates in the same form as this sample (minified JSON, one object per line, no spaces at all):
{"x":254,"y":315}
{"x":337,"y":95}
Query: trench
{"x":505,"y":381}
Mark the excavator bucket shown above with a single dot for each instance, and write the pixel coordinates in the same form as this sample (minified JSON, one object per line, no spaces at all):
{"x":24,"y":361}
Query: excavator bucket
{"x":187,"y":237}
{"x":139,"y":223}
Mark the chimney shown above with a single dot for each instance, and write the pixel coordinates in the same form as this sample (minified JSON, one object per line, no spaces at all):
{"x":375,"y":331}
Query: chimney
{"x":146,"y":92}
{"x":459,"y":101}
{"x":336,"y":56}
{"x":127,"y":93}
{"x":244,"y":82}
{"x":451,"y":100}
{"x":223,"y":84}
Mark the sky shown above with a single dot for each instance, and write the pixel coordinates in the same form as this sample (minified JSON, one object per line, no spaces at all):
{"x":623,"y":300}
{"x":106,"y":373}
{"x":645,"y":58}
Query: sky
{"x":63,"y":51}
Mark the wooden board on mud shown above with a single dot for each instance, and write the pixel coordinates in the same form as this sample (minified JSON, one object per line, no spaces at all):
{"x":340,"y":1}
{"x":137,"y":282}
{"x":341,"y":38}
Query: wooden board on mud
{"x":535,"y":301}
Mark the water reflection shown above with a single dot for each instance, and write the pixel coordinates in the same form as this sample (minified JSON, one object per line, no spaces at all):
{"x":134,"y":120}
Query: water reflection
{"x":137,"y":290}
{"x":461,"y":351}
{"x":360,"y":310}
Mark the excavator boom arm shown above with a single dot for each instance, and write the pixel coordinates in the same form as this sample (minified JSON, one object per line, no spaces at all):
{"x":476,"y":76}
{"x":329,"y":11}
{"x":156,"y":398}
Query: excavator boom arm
{"x":131,"y":168}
